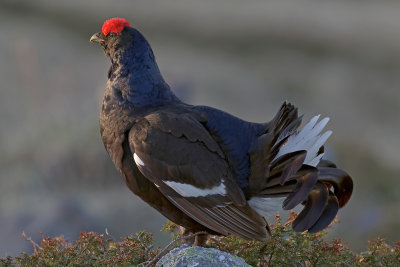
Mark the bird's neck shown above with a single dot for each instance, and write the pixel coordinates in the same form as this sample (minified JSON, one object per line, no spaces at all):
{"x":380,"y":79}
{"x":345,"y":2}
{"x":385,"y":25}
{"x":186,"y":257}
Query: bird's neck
{"x":134,"y":80}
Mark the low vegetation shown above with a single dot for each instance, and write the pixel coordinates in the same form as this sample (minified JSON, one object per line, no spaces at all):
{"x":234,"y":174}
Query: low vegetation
{"x":284,"y":248}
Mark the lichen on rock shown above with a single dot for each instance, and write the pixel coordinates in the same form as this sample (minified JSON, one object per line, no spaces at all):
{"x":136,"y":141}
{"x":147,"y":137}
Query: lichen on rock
{"x":199,"y":256}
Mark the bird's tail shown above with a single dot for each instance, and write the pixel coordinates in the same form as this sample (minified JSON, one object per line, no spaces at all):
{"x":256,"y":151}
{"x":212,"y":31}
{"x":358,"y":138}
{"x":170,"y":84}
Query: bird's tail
{"x":287,"y":169}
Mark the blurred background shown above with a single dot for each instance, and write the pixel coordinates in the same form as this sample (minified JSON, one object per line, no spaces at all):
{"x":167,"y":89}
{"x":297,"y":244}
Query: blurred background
{"x":337,"y":58}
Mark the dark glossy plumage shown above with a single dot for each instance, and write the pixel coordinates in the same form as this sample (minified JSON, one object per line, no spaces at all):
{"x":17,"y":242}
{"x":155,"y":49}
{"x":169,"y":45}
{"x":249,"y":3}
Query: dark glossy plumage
{"x":203,"y":168}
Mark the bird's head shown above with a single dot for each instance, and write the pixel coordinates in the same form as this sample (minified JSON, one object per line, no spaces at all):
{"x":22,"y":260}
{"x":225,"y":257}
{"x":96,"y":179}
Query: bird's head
{"x":116,"y":35}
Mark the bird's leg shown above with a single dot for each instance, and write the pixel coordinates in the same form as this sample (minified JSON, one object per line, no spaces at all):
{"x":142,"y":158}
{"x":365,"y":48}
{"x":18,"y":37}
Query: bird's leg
{"x":200,"y":240}
{"x":184,"y":232}
{"x":196,"y":240}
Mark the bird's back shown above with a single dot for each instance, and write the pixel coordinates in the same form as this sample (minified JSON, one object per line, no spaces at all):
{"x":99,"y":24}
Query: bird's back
{"x":235,"y":136}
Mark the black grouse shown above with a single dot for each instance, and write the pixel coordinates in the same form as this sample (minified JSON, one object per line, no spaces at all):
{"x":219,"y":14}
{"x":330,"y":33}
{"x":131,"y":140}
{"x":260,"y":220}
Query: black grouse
{"x":203,"y":168}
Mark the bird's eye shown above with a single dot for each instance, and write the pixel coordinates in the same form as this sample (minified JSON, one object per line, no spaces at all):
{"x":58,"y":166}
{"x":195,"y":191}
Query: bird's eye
{"x":112,"y":34}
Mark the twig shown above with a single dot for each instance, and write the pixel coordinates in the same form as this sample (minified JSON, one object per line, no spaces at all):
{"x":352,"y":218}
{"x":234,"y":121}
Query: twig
{"x":164,"y":250}
{"x":270,"y":258}
{"x":146,"y":251}
{"x":140,"y":241}
{"x":35,"y":245}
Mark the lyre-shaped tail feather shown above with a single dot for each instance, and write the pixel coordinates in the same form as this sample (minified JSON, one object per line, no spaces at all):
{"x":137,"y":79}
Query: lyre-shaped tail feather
{"x":287,"y":169}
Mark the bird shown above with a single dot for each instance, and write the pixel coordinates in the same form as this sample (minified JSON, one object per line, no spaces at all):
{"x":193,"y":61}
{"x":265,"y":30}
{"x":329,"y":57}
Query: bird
{"x":203,"y":168}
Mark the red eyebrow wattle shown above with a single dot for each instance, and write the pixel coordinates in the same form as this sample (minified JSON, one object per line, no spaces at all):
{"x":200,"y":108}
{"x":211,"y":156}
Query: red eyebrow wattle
{"x":114,"y":25}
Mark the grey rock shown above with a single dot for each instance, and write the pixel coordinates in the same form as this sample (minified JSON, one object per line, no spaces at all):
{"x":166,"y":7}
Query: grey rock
{"x":199,"y":256}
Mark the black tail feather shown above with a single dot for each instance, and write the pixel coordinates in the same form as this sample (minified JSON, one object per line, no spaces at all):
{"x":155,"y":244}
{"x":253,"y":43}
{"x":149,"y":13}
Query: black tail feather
{"x":314,"y":207}
{"x":327,"y":215}
{"x":322,"y":189}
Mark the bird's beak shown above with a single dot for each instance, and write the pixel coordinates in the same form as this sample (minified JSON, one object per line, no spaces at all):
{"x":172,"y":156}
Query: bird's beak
{"x":96,"y":38}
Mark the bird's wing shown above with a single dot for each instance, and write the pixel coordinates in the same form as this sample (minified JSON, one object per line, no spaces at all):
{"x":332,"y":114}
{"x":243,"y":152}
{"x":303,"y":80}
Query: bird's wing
{"x":176,"y":152}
